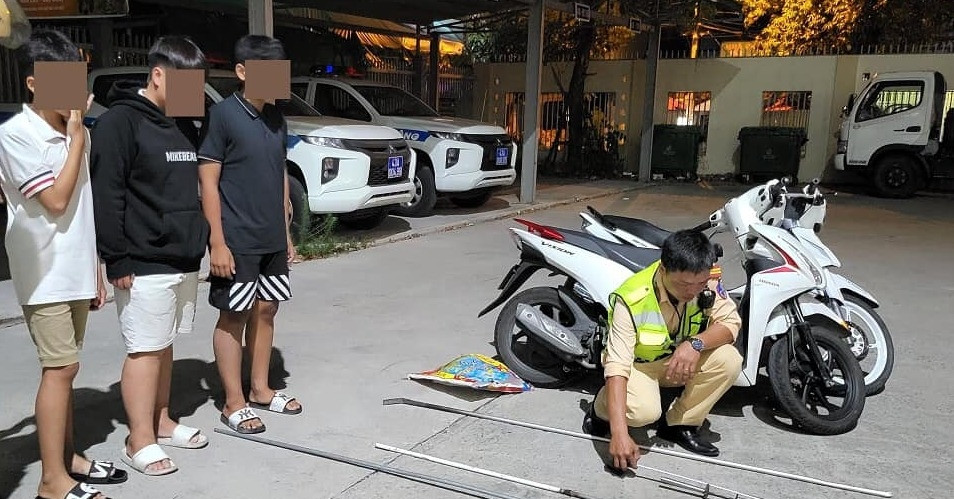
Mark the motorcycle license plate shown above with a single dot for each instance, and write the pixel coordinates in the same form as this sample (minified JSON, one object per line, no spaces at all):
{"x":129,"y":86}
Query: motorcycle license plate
{"x":503,"y":156}
{"x":395,"y":166}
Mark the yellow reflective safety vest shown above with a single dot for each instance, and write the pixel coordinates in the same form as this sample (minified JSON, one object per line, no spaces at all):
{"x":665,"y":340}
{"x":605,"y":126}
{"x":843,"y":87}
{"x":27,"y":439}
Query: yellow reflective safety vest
{"x":653,"y":340}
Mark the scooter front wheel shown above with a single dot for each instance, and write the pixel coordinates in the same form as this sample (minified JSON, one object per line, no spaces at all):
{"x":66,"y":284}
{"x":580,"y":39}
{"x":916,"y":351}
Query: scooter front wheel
{"x":528,"y":357}
{"x":814,"y":406}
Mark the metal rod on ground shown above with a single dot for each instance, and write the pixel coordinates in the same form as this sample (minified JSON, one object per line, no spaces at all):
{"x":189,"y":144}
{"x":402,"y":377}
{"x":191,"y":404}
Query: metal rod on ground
{"x":522,"y":481}
{"x":718,"y":462}
{"x":704,"y":485}
{"x":410,"y":475}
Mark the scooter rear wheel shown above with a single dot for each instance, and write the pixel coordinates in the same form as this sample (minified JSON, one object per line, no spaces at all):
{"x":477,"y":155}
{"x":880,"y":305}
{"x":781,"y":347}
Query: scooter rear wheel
{"x":527,"y":357}
{"x":811,"y":405}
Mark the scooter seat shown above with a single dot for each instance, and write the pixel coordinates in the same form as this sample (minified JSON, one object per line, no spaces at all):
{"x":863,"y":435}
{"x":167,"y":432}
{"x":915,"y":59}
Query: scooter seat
{"x":640,"y":228}
{"x":632,"y":257}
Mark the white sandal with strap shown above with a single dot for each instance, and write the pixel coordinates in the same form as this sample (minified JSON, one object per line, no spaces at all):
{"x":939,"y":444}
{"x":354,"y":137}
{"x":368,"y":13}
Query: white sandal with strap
{"x":278,"y":404}
{"x":146,"y":456}
{"x":240,"y":416}
{"x":182,"y":437}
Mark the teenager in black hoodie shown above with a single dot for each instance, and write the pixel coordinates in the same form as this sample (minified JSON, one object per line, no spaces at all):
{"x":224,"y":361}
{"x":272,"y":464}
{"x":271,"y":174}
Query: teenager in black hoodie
{"x":152,"y":235}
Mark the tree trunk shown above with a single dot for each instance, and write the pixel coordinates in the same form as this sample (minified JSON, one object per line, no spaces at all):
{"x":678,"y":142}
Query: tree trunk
{"x":585,"y":36}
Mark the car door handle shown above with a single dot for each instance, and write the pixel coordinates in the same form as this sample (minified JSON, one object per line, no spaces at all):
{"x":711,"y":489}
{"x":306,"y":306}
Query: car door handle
{"x":912,"y":129}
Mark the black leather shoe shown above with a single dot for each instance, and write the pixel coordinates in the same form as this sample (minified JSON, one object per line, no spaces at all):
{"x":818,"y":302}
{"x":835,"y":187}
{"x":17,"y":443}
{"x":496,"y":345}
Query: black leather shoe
{"x":688,"y":438}
{"x":594,"y":425}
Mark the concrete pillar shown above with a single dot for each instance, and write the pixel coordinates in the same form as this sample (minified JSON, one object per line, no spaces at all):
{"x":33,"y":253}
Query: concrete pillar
{"x":417,"y":79}
{"x":101,"y":34}
{"x":531,"y":113}
{"x":261,"y":17}
{"x":433,"y":75}
{"x":649,"y":107}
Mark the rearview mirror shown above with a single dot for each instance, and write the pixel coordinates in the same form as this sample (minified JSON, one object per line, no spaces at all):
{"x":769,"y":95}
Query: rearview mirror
{"x":847,"y":109}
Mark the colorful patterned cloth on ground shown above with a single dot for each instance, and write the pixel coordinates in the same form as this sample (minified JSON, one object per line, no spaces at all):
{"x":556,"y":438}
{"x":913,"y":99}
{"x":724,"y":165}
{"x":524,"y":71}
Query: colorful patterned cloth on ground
{"x":475,"y":371}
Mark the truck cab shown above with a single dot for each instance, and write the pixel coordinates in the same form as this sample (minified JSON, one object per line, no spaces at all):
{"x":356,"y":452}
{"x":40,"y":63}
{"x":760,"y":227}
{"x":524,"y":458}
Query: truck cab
{"x":355,"y":170}
{"x":462,"y":159}
{"x":891,"y":133}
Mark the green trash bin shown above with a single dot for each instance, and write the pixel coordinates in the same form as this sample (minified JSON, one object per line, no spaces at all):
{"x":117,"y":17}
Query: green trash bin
{"x":676,"y":150}
{"x":771,"y":152}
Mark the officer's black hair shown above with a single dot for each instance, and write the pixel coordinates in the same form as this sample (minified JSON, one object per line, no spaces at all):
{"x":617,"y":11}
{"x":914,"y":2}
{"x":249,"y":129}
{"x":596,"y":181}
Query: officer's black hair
{"x":688,"y":251}
{"x":45,"y":45}
{"x":258,"y":47}
{"x":176,"y":52}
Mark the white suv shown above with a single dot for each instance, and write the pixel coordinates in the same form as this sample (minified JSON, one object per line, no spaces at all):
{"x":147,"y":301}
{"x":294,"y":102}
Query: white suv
{"x":462,"y":158}
{"x":356,"y":170}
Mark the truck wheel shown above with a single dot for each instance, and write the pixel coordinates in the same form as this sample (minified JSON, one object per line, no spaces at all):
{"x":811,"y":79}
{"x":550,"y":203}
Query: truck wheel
{"x":300,"y":216}
{"x":472,"y":199}
{"x":425,"y":195}
{"x":896,"y":176}
{"x":365,"y":220}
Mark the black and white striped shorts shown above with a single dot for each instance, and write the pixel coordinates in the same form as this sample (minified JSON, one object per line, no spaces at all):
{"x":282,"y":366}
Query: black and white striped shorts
{"x":256,"y":276}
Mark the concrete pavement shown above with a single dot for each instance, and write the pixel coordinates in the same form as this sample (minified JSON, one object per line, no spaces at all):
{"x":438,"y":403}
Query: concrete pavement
{"x":360,"y":322}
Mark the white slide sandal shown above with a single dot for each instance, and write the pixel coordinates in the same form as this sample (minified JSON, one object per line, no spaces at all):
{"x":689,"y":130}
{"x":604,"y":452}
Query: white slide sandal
{"x":149,"y":454}
{"x":182,"y":437}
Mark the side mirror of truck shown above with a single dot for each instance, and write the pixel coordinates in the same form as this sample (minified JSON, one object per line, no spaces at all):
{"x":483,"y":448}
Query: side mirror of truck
{"x":847,"y":109}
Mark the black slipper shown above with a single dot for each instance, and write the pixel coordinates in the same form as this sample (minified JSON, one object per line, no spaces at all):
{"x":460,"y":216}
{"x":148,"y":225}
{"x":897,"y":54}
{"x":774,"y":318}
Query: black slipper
{"x":101,"y":473}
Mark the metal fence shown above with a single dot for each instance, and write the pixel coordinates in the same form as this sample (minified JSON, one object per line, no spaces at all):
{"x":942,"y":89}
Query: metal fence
{"x":456,"y":85}
{"x":748,"y":50}
{"x":784,"y":108}
{"x":689,"y":108}
{"x":599,"y":109}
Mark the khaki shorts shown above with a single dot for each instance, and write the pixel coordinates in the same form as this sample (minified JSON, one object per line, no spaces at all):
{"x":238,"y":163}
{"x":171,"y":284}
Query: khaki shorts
{"x":57,"y":330}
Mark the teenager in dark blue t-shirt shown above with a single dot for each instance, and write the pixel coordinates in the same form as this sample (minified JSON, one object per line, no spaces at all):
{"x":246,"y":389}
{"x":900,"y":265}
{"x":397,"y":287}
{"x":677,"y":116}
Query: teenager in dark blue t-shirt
{"x":245,"y":199}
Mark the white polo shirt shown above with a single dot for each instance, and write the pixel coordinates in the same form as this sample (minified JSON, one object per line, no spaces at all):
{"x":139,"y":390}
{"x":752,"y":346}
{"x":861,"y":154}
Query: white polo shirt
{"x":52,"y":259}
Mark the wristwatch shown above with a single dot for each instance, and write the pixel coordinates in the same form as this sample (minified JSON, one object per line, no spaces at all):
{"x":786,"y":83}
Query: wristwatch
{"x":697,"y":344}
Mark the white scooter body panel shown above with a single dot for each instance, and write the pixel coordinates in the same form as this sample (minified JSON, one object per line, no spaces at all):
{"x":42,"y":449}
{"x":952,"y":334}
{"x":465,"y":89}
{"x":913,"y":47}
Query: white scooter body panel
{"x":598,"y":275}
{"x":814,"y":246}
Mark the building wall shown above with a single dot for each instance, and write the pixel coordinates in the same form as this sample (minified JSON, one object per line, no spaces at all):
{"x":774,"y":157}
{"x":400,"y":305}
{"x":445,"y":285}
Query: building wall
{"x":736,"y":85}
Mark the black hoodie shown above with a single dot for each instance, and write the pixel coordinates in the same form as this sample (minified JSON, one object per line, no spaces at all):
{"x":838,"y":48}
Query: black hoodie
{"x":145,"y":182}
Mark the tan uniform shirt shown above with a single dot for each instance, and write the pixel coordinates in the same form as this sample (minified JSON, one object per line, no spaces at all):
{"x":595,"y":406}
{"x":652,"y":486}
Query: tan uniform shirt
{"x":618,"y":357}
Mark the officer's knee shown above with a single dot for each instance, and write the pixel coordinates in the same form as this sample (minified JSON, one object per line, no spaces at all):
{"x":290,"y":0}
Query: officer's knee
{"x":638,"y":417}
{"x":727,"y":359}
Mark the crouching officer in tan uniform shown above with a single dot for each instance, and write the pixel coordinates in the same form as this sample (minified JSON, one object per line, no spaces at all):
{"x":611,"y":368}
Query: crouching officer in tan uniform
{"x":672,"y":324}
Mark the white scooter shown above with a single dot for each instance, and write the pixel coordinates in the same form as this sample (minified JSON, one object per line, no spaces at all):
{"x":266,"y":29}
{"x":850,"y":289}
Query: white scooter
{"x":549,"y":334}
{"x":802,"y":214}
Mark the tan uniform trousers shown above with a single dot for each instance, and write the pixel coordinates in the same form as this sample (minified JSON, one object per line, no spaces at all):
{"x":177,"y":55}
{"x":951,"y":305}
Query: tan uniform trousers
{"x":716,"y":372}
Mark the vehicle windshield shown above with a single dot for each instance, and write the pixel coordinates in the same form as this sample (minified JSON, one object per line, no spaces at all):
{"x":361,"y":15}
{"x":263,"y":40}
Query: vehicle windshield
{"x":392,"y":101}
{"x":293,"y":106}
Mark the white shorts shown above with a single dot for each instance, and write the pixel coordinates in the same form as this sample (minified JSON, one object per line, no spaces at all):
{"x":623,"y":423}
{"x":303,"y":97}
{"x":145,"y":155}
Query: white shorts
{"x":156,"y":309}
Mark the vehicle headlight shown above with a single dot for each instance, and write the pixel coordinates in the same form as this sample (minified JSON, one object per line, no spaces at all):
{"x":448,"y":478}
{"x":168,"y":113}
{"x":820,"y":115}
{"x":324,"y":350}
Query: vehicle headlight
{"x":448,"y":136}
{"x":324,"y":141}
{"x":842,"y":147}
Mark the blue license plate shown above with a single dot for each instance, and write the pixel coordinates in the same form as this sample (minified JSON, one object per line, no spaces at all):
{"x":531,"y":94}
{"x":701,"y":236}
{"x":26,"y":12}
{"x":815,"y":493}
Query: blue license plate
{"x":395,"y":166}
{"x":503,"y":156}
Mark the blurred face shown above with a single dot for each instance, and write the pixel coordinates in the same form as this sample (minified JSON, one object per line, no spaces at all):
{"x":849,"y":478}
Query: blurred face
{"x":31,"y":84}
{"x":684,"y":286}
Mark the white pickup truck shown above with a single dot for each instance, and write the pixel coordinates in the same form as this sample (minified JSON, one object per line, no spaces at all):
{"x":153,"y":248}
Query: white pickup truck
{"x":463,"y":159}
{"x":356,"y":170}
{"x":891,"y":133}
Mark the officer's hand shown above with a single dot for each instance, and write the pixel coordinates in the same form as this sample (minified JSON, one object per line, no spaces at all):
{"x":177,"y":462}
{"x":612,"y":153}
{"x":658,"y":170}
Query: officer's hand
{"x":624,"y":450}
{"x":681,"y":366}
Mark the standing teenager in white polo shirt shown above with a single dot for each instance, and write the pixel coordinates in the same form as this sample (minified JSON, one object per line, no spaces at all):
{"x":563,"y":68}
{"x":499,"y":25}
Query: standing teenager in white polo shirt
{"x":152,"y":235}
{"x":51,"y":245}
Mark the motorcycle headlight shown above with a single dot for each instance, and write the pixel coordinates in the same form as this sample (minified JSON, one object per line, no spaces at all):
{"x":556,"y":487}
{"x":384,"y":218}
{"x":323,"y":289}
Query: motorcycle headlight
{"x":324,"y":141}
